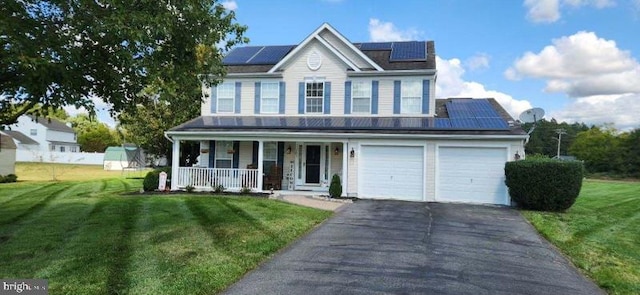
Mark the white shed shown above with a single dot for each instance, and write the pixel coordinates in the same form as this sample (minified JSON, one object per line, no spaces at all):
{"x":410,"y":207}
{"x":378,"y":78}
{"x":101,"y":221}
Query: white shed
{"x":7,"y":155}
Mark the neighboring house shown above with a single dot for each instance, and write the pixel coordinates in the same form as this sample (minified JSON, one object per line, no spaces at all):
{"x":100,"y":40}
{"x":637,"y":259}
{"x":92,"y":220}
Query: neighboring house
{"x":44,"y":135}
{"x":364,"y":111}
{"x":123,"y":157}
{"x":7,"y":155}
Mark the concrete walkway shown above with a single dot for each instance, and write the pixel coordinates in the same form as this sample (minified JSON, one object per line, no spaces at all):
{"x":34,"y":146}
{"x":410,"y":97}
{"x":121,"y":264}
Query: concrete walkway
{"x":313,"y":201}
{"x":393,"y":247}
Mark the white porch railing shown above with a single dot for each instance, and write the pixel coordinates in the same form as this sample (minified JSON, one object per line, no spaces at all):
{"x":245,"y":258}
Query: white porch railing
{"x":207,"y":178}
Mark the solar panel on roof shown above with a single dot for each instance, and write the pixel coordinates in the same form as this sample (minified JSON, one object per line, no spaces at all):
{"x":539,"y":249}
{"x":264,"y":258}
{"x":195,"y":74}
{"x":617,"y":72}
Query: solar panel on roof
{"x":492,"y":123}
{"x":407,"y":51}
{"x":241,"y":55}
{"x":376,"y":46}
{"x":270,"y":55}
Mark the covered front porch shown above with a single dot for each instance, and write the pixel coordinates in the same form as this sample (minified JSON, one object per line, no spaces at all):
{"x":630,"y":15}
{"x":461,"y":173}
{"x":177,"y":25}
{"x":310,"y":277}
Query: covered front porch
{"x":237,"y":164}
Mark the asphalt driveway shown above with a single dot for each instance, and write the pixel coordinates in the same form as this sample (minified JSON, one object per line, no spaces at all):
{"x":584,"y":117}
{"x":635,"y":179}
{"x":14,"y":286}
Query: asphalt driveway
{"x":393,"y":247}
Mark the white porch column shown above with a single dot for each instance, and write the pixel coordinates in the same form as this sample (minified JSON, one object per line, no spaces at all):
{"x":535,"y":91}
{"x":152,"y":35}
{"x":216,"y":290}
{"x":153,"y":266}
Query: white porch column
{"x":260,"y":164}
{"x":175,"y":163}
{"x":345,"y":166}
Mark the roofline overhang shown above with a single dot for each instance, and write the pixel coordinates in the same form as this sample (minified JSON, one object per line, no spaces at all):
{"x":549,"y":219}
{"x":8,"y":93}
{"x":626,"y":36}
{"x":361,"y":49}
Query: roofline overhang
{"x":254,"y":75}
{"x":293,"y":136}
{"x":393,"y":73}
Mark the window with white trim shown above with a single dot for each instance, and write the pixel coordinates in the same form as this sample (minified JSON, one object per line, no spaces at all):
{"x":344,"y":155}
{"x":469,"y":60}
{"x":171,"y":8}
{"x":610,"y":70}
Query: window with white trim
{"x":33,"y":132}
{"x":314,"y":97}
{"x":411,"y":97}
{"x":226,"y":96}
{"x":270,"y":97}
{"x":361,"y":97}
{"x":270,"y":156}
{"x":224,"y":154}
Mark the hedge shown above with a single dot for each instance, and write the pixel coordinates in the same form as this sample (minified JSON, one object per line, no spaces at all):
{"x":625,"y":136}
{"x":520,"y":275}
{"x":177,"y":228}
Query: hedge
{"x":8,"y":178}
{"x":152,"y":178}
{"x":544,"y":184}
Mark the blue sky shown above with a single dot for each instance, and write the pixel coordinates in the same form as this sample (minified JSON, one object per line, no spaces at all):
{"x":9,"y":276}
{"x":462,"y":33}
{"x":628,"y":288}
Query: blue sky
{"x":577,"y":59}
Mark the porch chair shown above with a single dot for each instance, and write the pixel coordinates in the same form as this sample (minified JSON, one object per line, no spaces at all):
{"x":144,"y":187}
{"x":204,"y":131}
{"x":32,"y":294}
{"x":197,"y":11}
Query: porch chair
{"x":273,"y":179}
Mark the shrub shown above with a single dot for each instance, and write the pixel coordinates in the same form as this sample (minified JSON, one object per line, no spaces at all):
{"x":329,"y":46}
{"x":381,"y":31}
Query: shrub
{"x":189,"y":188}
{"x":8,"y":178}
{"x":544,"y":184}
{"x":218,"y":188}
{"x":150,"y":182}
{"x":245,"y":190}
{"x":335,"y":189}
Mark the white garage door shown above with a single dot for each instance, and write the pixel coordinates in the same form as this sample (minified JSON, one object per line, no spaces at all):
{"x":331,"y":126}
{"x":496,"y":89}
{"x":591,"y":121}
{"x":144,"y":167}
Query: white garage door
{"x":471,"y":175}
{"x":391,"y":172}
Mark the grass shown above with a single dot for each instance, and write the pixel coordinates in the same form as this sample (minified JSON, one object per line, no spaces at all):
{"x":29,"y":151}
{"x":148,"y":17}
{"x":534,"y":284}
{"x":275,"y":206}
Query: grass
{"x":87,"y":238}
{"x":600,"y":233}
{"x":69,"y":172}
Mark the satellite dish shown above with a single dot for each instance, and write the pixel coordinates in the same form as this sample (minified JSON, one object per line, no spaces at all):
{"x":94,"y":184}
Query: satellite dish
{"x":532,"y":115}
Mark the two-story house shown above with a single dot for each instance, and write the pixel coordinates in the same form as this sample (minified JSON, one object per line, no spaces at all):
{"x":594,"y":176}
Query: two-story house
{"x":365,"y":111}
{"x":37,"y":134}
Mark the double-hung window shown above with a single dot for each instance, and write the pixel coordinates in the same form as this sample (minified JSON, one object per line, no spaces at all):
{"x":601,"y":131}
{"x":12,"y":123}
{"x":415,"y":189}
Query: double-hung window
{"x":270,"y":97}
{"x":361,"y":97}
{"x":224,"y":154}
{"x":411,"y":97}
{"x":226,"y":96}
{"x":270,"y":155}
{"x":314,"y":97}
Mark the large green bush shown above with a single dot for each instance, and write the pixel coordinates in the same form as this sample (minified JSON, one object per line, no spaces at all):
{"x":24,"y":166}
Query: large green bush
{"x":152,"y":178}
{"x":544,"y":184}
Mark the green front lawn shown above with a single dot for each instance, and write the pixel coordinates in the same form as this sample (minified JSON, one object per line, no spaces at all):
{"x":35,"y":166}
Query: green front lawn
{"x":86,"y":238}
{"x":600,"y":233}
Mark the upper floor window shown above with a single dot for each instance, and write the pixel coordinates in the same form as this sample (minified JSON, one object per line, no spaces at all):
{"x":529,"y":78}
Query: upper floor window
{"x":226,"y":96}
{"x":224,"y":154}
{"x":411,"y":97}
{"x":33,"y":132}
{"x":361,"y":97}
{"x":314,"y":97}
{"x":270,"y":97}
{"x":62,"y":150}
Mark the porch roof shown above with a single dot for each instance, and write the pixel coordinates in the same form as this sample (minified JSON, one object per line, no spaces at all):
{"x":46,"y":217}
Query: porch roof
{"x":455,"y":116}
{"x":395,"y":125}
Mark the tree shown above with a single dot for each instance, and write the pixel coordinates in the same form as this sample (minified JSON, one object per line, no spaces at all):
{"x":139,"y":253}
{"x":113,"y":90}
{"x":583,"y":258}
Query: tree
{"x":599,"y":147}
{"x":543,"y":140}
{"x":146,"y":126}
{"x":93,"y":136}
{"x":62,"y":53}
{"x":97,"y":139}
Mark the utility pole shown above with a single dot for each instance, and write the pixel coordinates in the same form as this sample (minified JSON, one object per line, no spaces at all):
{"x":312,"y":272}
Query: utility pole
{"x":560,"y":132}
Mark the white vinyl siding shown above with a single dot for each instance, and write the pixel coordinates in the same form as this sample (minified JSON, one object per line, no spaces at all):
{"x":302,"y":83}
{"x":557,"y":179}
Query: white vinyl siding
{"x":314,"y":96}
{"x":223,"y":158}
{"x":411,"y":97}
{"x":270,"y":97}
{"x":361,"y":97}
{"x":226,"y":96}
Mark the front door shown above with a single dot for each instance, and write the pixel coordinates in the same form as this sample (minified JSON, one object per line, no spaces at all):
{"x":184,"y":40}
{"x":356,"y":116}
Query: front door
{"x":312,"y":168}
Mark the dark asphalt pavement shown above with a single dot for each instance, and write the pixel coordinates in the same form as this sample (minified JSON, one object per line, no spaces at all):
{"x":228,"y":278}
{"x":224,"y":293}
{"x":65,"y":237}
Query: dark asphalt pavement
{"x":394,"y":247}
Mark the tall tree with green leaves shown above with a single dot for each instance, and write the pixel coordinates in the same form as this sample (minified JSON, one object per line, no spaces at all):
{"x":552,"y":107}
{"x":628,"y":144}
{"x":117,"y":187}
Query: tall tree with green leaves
{"x":58,"y":53}
{"x":93,"y":135}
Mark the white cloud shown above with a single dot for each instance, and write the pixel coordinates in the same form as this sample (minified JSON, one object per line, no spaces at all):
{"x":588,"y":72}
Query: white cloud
{"x":548,"y":11}
{"x":580,"y":65}
{"x":622,"y":110}
{"x":543,"y":11}
{"x":450,"y":83}
{"x":230,"y":4}
{"x":478,"y":62}
{"x":603,"y":79}
{"x":380,"y":31}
